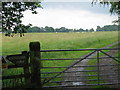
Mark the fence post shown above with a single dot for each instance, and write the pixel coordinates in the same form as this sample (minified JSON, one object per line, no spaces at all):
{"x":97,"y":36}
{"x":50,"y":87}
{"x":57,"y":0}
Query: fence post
{"x":26,"y":68}
{"x":35,"y":64}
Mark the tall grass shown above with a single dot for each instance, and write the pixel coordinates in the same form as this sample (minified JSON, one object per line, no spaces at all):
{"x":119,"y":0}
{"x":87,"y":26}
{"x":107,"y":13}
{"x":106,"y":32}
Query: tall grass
{"x":58,"y":41}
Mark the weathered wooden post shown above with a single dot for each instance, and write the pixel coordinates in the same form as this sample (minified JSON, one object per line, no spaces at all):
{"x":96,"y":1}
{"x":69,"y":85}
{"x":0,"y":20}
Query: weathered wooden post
{"x":26,"y":67}
{"x":35,"y":64}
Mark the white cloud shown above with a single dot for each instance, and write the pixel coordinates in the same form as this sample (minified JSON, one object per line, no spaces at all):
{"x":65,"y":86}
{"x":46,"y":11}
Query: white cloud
{"x":67,"y":18}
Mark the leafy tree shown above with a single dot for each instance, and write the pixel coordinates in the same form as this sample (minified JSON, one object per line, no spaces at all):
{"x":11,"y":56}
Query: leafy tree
{"x":49,"y":29}
{"x":34,"y":29}
{"x":63,"y":29}
{"x":86,"y":30}
{"x":81,"y":30}
{"x":98,"y":28}
{"x":108,"y":28}
{"x":91,"y":30}
{"x":114,"y":7}
{"x":12,"y":14}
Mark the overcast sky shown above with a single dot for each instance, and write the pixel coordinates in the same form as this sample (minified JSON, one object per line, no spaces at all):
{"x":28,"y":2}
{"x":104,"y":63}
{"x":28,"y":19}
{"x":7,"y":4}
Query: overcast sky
{"x":70,"y":15}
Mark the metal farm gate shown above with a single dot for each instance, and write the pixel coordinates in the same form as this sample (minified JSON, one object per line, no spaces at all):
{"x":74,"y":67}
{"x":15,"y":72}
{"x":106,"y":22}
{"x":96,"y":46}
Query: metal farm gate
{"x":95,"y":67}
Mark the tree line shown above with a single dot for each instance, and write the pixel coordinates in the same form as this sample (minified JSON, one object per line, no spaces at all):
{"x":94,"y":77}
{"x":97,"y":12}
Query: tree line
{"x":108,"y":28}
{"x":63,"y":29}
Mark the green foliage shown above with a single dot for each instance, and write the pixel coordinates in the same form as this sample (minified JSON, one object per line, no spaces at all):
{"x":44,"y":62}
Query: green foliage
{"x":108,"y":28}
{"x":91,"y":30}
{"x":63,"y":29}
{"x":34,"y":29}
{"x":12,"y":14}
{"x":114,"y":7}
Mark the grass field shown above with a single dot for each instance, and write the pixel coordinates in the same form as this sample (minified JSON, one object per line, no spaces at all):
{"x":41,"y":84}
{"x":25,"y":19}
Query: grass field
{"x":56,"y":41}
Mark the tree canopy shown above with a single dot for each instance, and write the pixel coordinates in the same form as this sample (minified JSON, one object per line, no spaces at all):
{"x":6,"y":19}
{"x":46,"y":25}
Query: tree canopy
{"x":114,"y":7}
{"x":12,"y":14}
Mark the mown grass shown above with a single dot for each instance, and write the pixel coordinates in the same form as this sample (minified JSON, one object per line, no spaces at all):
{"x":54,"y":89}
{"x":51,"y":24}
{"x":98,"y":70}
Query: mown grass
{"x":56,"y":41}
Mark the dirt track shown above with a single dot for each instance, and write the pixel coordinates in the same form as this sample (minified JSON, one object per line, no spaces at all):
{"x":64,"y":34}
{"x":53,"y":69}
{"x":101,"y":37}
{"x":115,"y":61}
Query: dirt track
{"x":113,"y":71}
{"x":109,"y":70}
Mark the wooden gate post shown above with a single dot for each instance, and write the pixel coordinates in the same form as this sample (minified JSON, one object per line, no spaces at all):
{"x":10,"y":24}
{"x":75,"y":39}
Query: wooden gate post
{"x":26,"y":68}
{"x":35,"y":64}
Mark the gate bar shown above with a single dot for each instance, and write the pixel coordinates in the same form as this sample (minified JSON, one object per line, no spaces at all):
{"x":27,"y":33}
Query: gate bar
{"x":70,"y":67}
